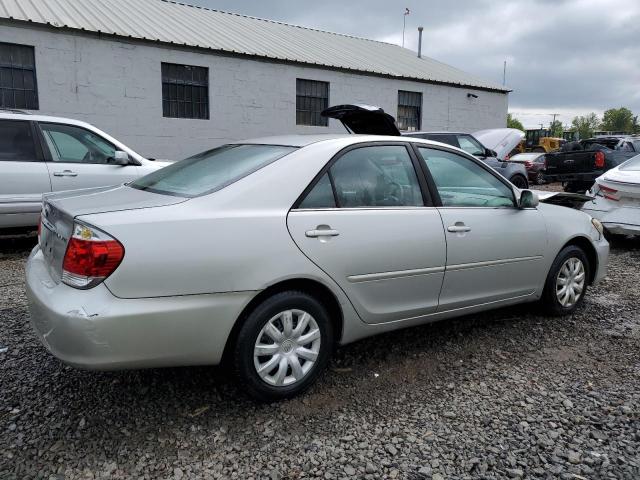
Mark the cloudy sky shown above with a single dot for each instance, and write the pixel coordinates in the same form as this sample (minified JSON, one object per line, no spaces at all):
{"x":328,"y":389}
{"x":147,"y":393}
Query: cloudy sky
{"x":567,"y":57}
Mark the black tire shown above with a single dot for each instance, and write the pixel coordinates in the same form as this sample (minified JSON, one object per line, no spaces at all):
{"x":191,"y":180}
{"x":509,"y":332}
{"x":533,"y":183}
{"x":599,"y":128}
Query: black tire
{"x":243,"y":353}
{"x":540,"y":179}
{"x":520,"y":181}
{"x":549,"y":301}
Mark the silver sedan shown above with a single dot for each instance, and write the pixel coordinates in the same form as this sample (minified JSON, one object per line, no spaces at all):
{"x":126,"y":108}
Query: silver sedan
{"x":268,"y":253}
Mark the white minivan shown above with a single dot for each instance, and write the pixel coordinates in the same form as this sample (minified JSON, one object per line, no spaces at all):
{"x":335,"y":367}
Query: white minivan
{"x":41,"y":154}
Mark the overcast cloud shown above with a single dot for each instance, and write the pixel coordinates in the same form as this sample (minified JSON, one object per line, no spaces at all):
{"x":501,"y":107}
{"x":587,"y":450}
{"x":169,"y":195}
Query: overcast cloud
{"x":563,"y":56}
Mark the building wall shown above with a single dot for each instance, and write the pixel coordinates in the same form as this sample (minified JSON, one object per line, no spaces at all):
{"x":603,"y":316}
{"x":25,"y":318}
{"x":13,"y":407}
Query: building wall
{"x":116,"y":85}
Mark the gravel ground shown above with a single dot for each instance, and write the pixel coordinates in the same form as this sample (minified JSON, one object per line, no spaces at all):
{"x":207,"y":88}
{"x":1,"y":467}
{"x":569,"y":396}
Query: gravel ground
{"x":507,"y":394}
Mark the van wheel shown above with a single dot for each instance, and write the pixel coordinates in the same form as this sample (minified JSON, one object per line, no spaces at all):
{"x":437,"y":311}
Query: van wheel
{"x":283,"y":346}
{"x":566,"y":283}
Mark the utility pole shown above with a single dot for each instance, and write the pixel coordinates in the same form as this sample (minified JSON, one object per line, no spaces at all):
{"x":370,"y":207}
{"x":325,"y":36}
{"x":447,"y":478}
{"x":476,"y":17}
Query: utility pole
{"x":404,"y":23}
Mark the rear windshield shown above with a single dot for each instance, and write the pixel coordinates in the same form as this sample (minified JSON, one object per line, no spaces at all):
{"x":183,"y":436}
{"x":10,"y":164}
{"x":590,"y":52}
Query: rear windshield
{"x":633,"y":164}
{"x":211,"y":170}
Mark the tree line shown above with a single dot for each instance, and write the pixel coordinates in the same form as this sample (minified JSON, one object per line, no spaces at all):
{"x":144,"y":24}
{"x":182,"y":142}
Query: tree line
{"x":613,"y":120}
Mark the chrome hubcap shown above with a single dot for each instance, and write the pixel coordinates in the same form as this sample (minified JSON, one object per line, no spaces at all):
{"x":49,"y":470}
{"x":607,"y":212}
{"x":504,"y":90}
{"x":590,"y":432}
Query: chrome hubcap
{"x":287,"y":347}
{"x":570,"y":282}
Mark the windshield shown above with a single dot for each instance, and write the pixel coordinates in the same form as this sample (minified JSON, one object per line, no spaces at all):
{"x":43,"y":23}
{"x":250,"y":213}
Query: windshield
{"x":632,"y":165}
{"x":471,"y":145}
{"x":211,"y":170}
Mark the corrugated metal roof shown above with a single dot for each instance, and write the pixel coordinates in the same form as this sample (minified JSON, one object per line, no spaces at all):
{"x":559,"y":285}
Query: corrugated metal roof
{"x":179,"y":24}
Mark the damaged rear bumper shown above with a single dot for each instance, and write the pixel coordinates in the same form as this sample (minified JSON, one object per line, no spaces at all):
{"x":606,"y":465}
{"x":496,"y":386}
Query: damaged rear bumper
{"x":94,"y":329}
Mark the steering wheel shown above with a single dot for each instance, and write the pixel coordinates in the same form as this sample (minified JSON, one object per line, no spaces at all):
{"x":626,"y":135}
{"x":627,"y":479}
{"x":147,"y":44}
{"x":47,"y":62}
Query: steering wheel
{"x":394,"y":193}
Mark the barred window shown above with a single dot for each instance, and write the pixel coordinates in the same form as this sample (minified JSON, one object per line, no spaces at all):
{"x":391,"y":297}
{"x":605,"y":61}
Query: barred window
{"x":409,"y":110}
{"x":18,"y":88}
{"x":312,"y":97}
{"x":185,"y":91}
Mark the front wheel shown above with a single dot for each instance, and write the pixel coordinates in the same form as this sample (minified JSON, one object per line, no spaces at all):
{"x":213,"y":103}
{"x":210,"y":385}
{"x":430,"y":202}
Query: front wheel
{"x":520,"y":182}
{"x":567,"y":282}
{"x":540,"y":180}
{"x":283,"y":346}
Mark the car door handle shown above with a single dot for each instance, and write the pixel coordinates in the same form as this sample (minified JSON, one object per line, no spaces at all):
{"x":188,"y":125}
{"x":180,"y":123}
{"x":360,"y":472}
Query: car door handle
{"x":321,"y":233}
{"x":458,"y":228}
{"x":65,"y":173}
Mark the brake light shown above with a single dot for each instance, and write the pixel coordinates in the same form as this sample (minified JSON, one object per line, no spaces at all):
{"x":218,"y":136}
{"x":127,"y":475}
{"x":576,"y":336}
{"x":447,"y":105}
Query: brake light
{"x":599,"y":160}
{"x":609,"y":193}
{"x":91,"y":256}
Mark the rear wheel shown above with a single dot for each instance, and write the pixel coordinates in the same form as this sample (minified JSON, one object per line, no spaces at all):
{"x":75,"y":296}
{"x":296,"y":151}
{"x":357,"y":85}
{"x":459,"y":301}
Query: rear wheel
{"x":520,"y":182}
{"x":567,"y":282}
{"x":283,"y":345}
{"x":540,"y":178}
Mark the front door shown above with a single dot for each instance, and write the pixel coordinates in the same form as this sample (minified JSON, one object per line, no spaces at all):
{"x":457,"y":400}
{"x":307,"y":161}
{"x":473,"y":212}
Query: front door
{"x":81,"y":159}
{"x":366,"y":225}
{"x":494,"y":249}
{"x":23,"y":175}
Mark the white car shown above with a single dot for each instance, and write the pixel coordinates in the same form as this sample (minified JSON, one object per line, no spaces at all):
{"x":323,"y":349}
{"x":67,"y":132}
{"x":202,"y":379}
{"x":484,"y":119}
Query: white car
{"x":616,"y":200}
{"x":42,"y":154}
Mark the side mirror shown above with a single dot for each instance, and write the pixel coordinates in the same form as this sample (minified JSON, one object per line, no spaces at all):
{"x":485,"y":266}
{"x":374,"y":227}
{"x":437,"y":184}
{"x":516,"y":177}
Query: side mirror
{"x":490,"y":153}
{"x":528,"y":199}
{"x":121,"y":158}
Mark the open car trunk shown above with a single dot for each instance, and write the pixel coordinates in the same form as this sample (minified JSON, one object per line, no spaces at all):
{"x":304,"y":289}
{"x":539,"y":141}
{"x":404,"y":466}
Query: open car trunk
{"x":363,"y":119}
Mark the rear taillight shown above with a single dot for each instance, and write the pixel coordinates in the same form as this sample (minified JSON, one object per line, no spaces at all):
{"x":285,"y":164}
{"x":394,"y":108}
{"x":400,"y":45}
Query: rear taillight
{"x":608,"y":193}
{"x":599,"y":160}
{"x":91,"y":256}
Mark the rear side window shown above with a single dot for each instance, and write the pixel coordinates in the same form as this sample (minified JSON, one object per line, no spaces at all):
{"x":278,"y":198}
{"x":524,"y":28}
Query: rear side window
{"x":16,"y":142}
{"x":321,"y":196}
{"x":211,"y":170}
{"x":378,"y":176}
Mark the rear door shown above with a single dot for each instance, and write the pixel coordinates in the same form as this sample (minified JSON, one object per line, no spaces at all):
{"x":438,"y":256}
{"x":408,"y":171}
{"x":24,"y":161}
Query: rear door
{"x":23,"y":174}
{"x":79,"y":158}
{"x":367,"y":224}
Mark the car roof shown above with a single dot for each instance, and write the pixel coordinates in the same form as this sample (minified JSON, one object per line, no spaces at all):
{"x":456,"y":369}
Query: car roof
{"x":435,"y":133}
{"x":303,"y":140}
{"x":16,"y":115}
{"x":528,"y":155}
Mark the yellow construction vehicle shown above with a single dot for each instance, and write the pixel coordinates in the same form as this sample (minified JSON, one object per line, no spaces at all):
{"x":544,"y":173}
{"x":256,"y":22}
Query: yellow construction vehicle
{"x":540,"y":140}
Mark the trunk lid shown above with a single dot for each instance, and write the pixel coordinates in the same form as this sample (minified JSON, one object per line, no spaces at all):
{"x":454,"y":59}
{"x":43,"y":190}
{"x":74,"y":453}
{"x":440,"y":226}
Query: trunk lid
{"x":363,"y":119}
{"x":500,"y":140}
{"x":60,"y":209}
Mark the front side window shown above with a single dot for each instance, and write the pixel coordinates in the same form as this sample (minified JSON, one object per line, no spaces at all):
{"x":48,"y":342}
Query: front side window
{"x":18,"y":77}
{"x":463,"y":183}
{"x":70,"y":144}
{"x":470,"y":145}
{"x":211,"y":170}
{"x":380,"y":176}
{"x":185,"y":91}
{"x":16,"y":142}
{"x":312,"y":97}
{"x":409,"y":110}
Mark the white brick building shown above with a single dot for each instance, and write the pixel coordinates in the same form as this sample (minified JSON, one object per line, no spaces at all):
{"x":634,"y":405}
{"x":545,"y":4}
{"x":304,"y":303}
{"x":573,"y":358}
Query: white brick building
{"x":131,"y":68}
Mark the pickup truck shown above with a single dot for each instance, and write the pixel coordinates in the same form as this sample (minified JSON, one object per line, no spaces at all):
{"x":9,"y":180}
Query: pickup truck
{"x":578,"y":164}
